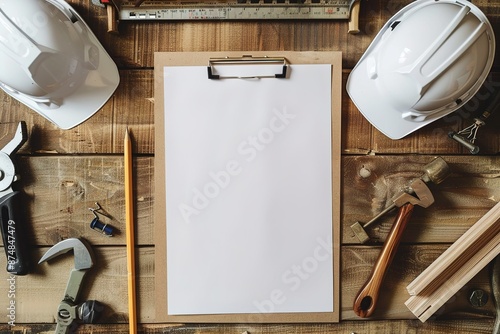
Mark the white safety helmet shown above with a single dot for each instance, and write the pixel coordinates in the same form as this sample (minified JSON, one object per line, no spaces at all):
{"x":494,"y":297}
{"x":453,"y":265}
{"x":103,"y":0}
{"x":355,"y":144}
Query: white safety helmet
{"x":427,"y":61}
{"x":52,"y":62}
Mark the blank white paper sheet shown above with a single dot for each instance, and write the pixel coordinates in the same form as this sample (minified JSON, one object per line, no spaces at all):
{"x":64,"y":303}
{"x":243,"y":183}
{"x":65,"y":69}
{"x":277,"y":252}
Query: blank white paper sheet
{"x":248,"y":168}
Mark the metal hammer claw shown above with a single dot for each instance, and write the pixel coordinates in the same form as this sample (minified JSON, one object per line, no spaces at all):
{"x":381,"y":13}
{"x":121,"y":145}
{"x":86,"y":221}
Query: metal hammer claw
{"x":68,"y":310}
{"x":435,"y":171}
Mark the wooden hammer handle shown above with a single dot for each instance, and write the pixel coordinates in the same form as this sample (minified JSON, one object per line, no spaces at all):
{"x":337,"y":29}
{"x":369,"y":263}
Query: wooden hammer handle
{"x":112,"y":20}
{"x":354,"y":18}
{"x":365,"y":302}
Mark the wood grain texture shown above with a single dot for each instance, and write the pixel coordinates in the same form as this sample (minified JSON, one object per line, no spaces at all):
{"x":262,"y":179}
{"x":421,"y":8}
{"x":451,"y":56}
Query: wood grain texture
{"x":38,"y":295}
{"x":63,"y":172}
{"x":133,"y":105}
{"x":59,"y":189}
{"x":445,"y":327}
{"x":107,"y":283}
{"x":357,"y":265}
{"x":478,"y":326}
{"x":366,"y":300}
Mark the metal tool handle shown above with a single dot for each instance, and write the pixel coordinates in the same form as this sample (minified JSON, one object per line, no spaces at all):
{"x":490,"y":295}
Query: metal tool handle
{"x":14,"y":234}
{"x":365,"y":302}
{"x":90,"y":311}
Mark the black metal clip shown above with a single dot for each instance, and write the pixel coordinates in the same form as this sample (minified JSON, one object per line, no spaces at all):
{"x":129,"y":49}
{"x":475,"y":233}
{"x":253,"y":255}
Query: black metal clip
{"x":247,"y":59}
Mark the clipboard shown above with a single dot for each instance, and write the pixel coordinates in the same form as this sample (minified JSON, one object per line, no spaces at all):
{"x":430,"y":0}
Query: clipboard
{"x":162,"y":59}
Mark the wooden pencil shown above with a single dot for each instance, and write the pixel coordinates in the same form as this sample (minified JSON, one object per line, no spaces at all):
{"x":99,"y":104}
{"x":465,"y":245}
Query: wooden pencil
{"x":129,"y":218}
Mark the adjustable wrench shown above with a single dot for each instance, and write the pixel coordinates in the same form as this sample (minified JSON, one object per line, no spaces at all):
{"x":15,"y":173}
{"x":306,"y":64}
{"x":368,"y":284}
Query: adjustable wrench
{"x":12,"y":225}
{"x":68,"y":310}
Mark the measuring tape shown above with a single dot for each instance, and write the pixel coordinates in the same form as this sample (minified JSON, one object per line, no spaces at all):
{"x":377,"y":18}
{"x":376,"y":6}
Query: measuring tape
{"x":238,"y":10}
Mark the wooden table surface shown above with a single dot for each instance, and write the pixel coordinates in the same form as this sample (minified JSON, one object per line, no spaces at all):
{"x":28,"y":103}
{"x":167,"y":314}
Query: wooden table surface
{"x":64,"y":172}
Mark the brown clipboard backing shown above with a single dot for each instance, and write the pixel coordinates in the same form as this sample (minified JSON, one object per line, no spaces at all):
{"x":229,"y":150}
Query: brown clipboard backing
{"x":163,"y":59}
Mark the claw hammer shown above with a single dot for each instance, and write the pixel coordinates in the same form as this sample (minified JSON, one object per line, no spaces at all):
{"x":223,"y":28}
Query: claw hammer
{"x":366,"y":300}
{"x":436,"y":171}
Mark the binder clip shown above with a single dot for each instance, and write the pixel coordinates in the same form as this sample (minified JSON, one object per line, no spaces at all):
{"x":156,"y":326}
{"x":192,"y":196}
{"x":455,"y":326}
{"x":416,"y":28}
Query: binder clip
{"x":98,"y":225}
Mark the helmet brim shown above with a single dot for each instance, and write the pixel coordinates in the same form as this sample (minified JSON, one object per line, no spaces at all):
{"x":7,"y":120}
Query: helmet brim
{"x":368,"y":90}
{"x":88,"y":97}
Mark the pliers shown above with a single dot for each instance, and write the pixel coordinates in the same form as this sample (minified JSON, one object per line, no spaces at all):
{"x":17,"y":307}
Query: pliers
{"x":12,"y":224}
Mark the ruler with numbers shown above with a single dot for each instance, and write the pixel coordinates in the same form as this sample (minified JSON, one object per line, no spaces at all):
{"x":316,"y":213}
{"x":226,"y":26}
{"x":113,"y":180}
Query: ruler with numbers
{"x":237,"y":10}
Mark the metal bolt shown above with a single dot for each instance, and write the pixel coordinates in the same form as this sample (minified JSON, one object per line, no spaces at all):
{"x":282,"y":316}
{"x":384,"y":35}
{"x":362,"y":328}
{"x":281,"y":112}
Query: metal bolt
{"x":478,"y":298}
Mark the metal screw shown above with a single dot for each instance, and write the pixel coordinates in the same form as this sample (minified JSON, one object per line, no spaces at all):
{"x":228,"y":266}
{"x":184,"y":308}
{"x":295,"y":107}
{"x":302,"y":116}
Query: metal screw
{"x":478,"y":298}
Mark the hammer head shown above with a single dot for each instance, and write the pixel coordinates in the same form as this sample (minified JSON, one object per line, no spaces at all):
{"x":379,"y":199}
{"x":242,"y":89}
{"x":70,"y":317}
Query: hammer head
{"x":436,"y":171}
{"x":360,"y":232}
{"x":82,"y":252}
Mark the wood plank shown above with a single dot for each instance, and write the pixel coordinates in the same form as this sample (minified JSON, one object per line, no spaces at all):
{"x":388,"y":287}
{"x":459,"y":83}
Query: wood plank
{"x":433,"y":138}
{"x":133,"y":103}
{"x":473,"y":251}
{"x":137,"y":41}
{"x":466,"y":195}
{"x":65,"y":172}
{"x":470,"y":326}
{"x":38,"y":294}
{"x":60,"y":189}
{"x":409,"y":262}
{"x":357,"y":132}
{"x":107,"y":283}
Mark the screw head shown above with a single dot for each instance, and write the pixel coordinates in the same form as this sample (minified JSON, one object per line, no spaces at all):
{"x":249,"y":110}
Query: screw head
{"x":478,"y":298}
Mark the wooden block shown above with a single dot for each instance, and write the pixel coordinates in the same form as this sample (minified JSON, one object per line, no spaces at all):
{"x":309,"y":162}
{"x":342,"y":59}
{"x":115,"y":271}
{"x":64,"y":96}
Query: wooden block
{"x":456,"y":266}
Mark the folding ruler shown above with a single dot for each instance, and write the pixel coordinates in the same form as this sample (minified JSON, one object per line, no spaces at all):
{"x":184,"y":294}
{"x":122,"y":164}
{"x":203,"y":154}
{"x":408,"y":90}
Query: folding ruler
{"x":177,"y":10}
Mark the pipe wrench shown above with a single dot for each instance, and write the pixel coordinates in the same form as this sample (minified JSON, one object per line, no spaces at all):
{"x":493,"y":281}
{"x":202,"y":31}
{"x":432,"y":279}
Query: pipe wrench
{"x":12,"y":223}
{"x":69,"y":312}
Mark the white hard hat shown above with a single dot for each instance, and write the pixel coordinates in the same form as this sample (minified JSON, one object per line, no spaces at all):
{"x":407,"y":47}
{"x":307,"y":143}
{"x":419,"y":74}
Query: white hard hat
{"x":427,"y":61}
{"x":52,"y":62}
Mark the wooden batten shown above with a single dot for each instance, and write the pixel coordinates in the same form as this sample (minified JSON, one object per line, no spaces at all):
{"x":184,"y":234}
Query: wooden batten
{"x":456,"y":266}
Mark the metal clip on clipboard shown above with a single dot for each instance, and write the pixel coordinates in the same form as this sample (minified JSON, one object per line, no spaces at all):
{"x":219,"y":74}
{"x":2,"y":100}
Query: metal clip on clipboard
{"x":246,"y":60}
